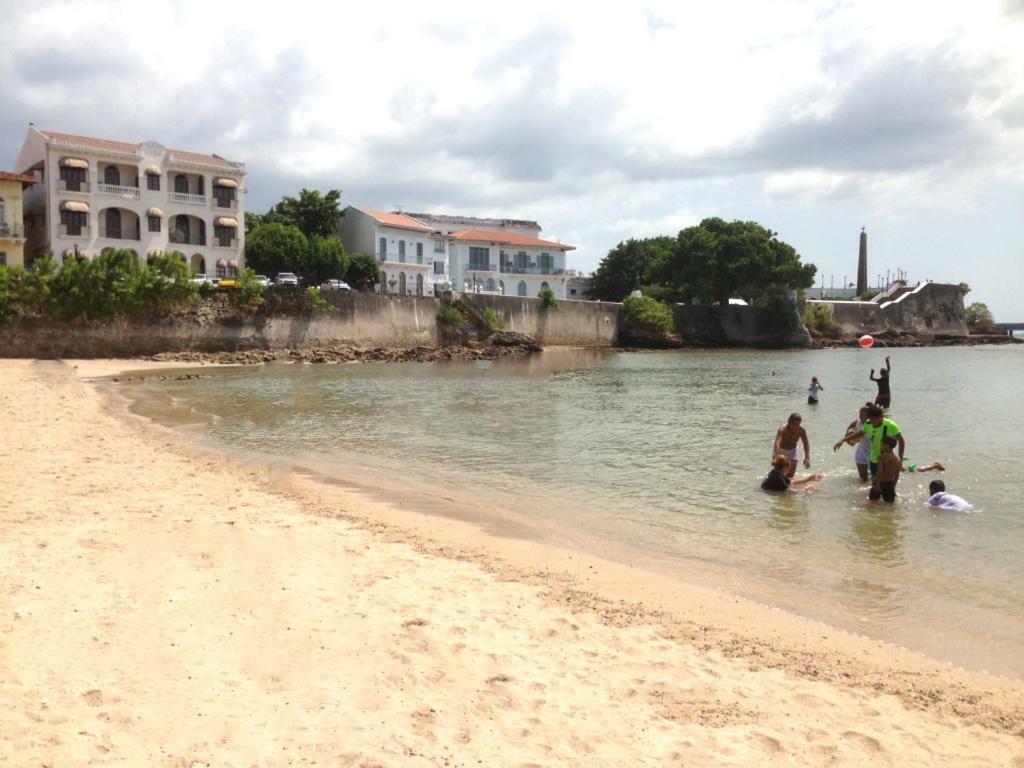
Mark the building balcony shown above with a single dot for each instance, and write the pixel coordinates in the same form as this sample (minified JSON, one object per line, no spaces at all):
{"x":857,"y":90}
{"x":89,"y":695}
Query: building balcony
{"x":117,"y":190}
{"x":478,"y":267}
{"x":176,"y":238}
{"x":403,"y":261}
{"x":82,"y":187}
{"x":12,"y":230}
{"x":186,"y":199}
{"x":533,"y":269}
{"x":119,"y":233}
{"x":231,"y":244}
{"x":83,"y":231}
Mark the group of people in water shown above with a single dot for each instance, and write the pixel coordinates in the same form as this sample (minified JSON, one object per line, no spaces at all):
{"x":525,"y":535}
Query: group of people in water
{"x":880,"y":450}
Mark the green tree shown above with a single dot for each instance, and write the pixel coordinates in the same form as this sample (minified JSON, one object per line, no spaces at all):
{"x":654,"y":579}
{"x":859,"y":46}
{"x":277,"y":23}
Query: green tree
{"x":363,"y":271}
{"x":642,"y":313}
{"x":628,"y":266}
{"x":273,"y":248}
{"x":313,"y":213}
{"x":325,"y":260}
{"x":979,"y":318}
{"x":248,"y":295}
{"x":965,"y":288}
{"x":253,"y":220}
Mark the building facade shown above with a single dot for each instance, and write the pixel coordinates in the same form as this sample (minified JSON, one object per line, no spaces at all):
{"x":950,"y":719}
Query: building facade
{"x":413,"y":258}
{"x":92,"y":194}
{"x":12,"y":226}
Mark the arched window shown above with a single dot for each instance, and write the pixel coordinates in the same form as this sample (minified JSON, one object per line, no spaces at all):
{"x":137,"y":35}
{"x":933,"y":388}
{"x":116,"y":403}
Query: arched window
{"x":401,"y":251}
{"x":521,"y":290}
{"x":544,"y":286}
{"x":491,"y":285}
{"x":419,"y":284}
{"x":383,"y":281}
{"x":383,"y":248}
{"x":401,"y":283}
{"x":419,"y":253}
{"x":3,"y":213}
{"x":181,"y":184}
{"x":113,"y":222}
{"x":198,"y":264}
{"x":501,"y":287}
{"x":181,"y":232}
{"x":112,"y":176}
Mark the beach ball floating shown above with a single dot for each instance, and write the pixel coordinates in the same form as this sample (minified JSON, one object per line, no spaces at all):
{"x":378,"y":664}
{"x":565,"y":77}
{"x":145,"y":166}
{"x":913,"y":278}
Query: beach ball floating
{"x":866,"y":341}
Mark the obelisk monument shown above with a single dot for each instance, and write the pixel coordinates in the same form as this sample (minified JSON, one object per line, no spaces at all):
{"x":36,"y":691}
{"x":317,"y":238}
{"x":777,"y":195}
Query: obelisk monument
{"x":862,"y":264}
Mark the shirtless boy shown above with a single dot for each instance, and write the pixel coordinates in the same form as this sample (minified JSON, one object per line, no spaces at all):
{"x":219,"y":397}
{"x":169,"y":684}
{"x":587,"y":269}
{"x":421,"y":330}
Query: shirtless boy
{"x":786,"y":439}
{"x":889,"y":466}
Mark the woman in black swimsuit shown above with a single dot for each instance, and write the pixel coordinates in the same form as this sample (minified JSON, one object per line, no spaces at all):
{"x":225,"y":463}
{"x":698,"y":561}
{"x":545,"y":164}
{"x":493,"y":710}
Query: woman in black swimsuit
{"x":884,"y":397}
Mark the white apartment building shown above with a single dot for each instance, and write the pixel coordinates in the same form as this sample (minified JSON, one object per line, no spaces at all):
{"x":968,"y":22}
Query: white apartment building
{"x":413,"y":258}
{"x":92,"y":194}
{"x":508,"y":263}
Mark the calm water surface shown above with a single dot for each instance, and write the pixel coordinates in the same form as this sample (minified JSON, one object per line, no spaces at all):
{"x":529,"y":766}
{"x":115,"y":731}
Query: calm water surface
{"x":655,"y":459}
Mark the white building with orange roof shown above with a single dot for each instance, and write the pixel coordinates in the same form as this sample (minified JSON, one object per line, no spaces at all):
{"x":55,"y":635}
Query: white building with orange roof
{"x":506,"y":262}
{"x":92,"y":194}
{"x":412,"y":257}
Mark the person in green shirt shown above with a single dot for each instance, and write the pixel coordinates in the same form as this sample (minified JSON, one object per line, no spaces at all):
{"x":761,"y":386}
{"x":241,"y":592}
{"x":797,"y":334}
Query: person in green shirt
{"x":876,"y":428}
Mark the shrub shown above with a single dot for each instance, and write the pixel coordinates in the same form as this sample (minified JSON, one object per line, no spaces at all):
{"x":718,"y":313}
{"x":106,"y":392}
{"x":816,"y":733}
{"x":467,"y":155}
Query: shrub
{"x":314,"y":301}
{"x":363,"y":271}
{"x":818,"y":317}
{"x":979,"y":318}
{"x":452,"y":316}
{"x":249,"y":295}
{"x":493,"y":320}
{"x":11,"y":291}
{"x":643,"y":313}
{"x":547,"y":298}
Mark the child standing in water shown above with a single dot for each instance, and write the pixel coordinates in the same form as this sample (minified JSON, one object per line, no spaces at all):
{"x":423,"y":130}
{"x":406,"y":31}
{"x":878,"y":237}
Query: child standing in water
{"x":786,"y":439}
{"x":813,"y":390}
{"x":884,"y":396}
{"x":889,"y":466}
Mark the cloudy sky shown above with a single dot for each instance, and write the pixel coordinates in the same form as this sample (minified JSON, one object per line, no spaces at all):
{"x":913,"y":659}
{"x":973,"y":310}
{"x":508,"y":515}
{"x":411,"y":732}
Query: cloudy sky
{"x":600,"y":121}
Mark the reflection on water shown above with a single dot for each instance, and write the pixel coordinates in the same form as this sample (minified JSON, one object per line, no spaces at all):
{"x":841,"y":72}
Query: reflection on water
{"x":657,"y":457}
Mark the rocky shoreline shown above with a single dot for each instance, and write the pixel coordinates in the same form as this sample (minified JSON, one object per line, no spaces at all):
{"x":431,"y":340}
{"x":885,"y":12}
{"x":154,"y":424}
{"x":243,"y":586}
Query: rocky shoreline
{"x":891,"y":338}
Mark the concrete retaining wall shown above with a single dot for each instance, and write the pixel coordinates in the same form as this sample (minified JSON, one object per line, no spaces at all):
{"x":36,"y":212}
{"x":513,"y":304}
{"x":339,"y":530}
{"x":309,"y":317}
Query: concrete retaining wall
{"x":928,"y":309}
{"x":739,"y":326}
{"x":571,"y":323}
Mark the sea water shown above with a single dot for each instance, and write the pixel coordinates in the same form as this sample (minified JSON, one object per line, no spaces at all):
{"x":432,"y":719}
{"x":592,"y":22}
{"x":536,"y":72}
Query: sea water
{"x":656,"y":458}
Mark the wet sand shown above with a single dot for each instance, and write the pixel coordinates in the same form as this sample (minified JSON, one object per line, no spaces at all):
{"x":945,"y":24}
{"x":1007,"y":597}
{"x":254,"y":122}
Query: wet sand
{"x":164,"y":605}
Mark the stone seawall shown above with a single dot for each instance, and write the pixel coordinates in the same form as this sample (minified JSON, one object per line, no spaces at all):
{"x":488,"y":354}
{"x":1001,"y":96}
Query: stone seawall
{"x":358,"y":320}
{"x":928,"y":309}
{"x":571,"y":323}
{"x":739,"y":326}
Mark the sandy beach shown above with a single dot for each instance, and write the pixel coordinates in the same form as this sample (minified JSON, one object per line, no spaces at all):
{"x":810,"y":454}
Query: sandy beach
{"x":163,"y":605}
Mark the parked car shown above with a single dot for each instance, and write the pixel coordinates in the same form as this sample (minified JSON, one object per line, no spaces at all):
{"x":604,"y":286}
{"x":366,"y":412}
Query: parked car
{"x":287,"y":280}
{"x":335,"y":285}
{"x":262,"y":280}
{"x":200,"y":279}
{"x":227,"y":283}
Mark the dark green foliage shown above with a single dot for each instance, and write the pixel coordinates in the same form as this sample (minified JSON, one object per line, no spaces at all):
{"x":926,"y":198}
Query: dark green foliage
{"x":965,"y":288}
{"x":628,"y":265}
{"x":547,"y":299}
{"x":313,"y":214}
{"x":452,"y":316}
{"x":249,"y":295}
{"x":979,"y":318}
{"x":818,"y":317}
{"x":273,"y":248}
{"x":11,"y":291}
{"x":643,"y":313}
{"x":325,"y":260}
{"x":363,"y":271}
{"x":314,"y":301}
{"x":709,"y":263}
{"x":493,"y":320}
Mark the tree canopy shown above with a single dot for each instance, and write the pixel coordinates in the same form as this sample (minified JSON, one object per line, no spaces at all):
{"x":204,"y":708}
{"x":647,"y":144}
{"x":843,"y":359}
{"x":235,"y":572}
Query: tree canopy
{"x":314,"y":214}
{"x":708,"y":263}
{"x":979,"y":318}
{"x":363,"y":271}
{"x":273,"y":248}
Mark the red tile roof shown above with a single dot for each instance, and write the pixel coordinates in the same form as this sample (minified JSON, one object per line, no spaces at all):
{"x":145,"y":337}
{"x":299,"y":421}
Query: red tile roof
{"x":396,"y":220}
{"x":24,"y":178}
{"x":507,"y":238}
{"x":107,"y":145}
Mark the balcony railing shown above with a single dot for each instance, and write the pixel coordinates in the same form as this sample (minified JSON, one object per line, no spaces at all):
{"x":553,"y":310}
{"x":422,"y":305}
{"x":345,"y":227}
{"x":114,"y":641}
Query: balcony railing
{"x":187,"y":199}
{"x":231,"y":205}
{"x":179,"y":239}
{"x":119,"y":233}
{"x":70,"y":230}
{"x":82,"y":187}
{"x":232,"y":243}
{"x":533,"y":269}
{"x":117,"y":190}
{"x":395,"y":258}
{"x":12,"y":230}
{"x":476,"y":266}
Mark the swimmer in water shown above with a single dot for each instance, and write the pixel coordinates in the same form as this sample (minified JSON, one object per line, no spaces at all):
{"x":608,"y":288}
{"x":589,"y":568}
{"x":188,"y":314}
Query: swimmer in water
{"x":786,"y":439}
{"x":779,"y":480}
{"x":813,"y":390}
{"x":884,"y":397}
